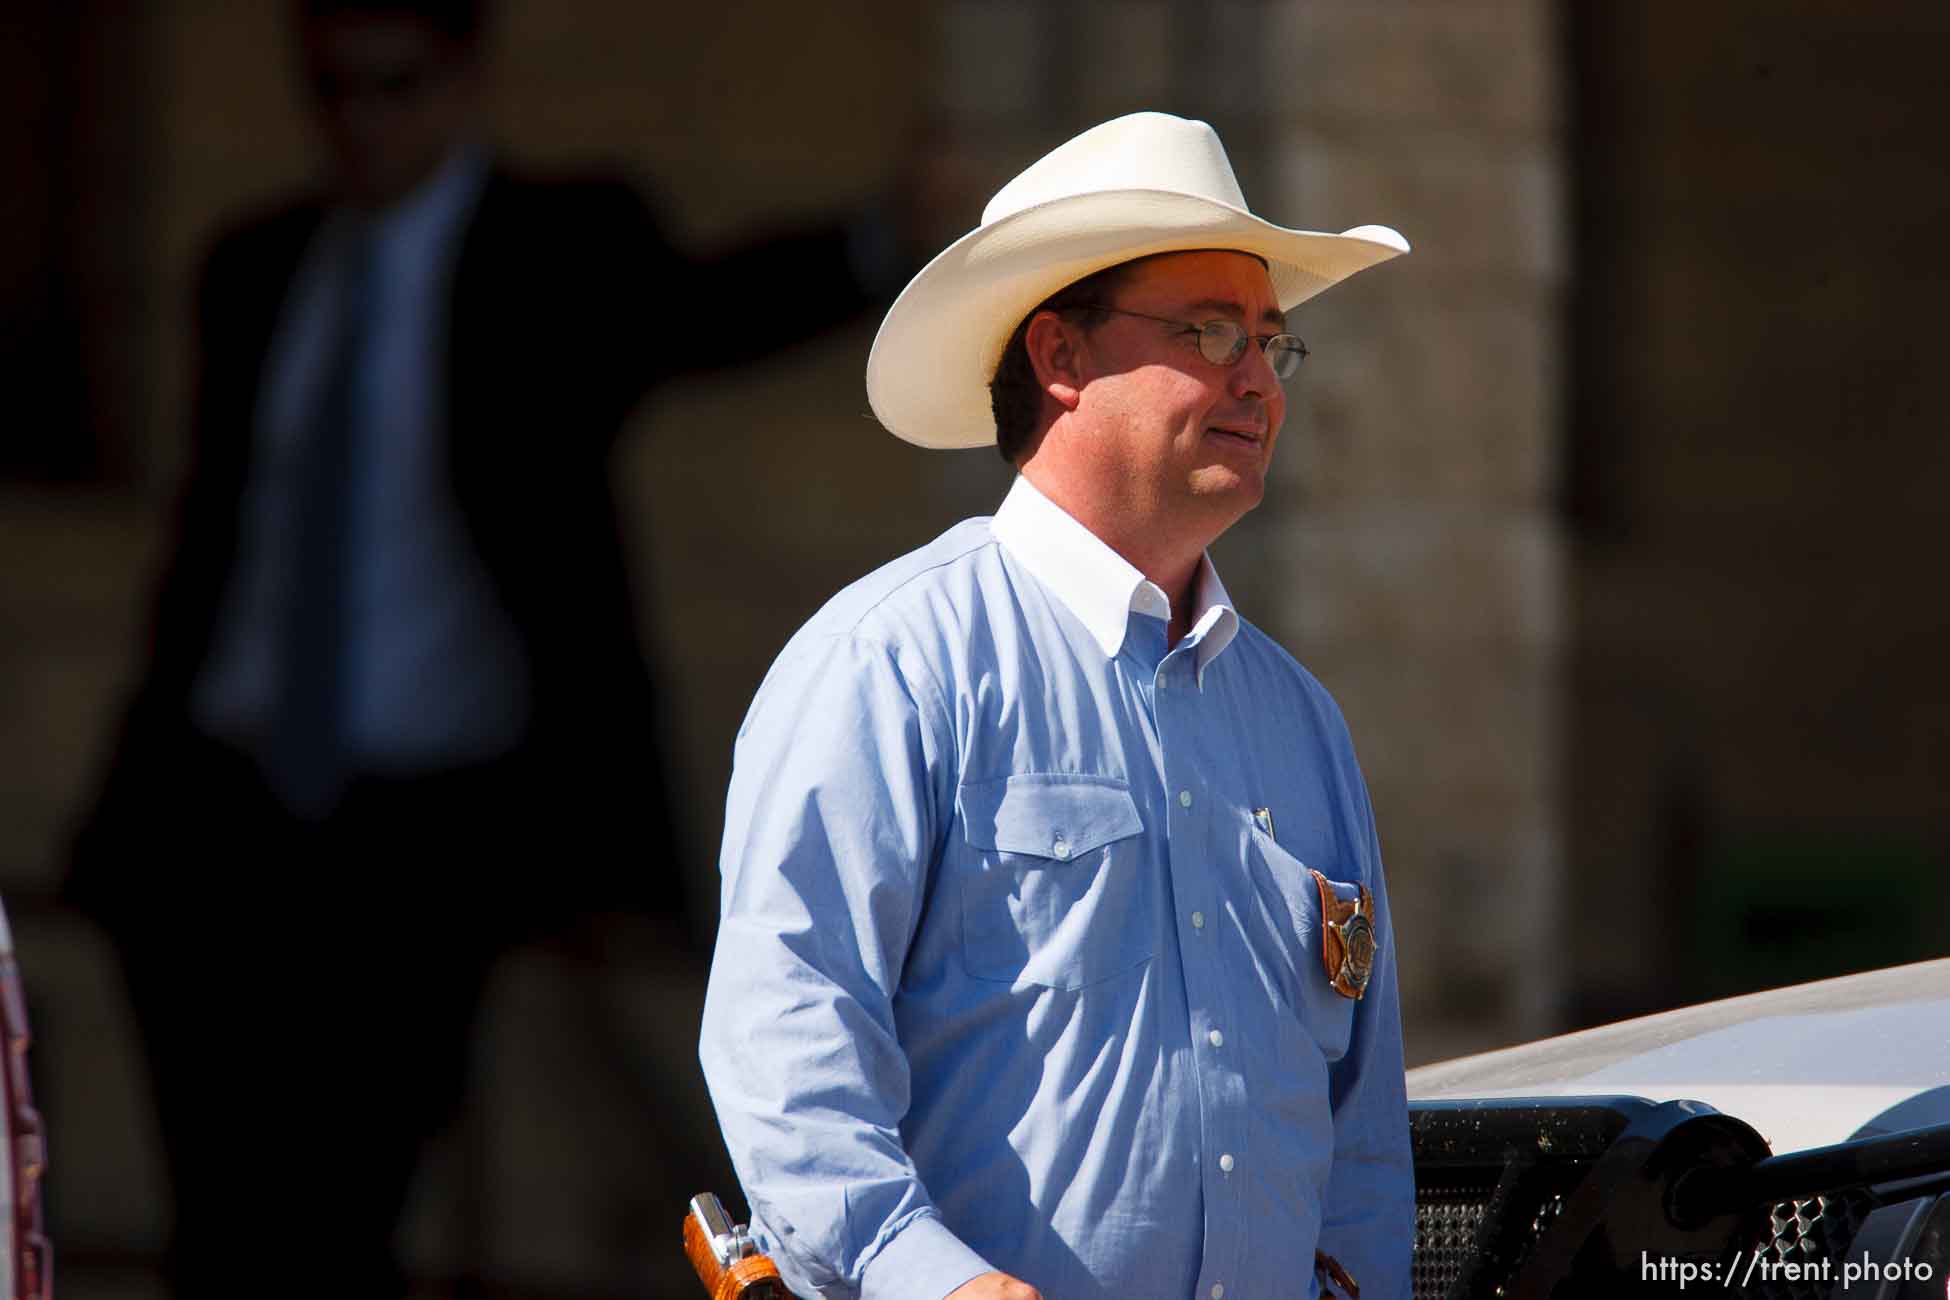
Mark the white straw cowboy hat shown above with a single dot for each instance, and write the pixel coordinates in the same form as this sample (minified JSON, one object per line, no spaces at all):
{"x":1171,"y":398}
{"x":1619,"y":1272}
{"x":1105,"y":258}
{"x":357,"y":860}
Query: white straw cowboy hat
{"x":1143,"y":184}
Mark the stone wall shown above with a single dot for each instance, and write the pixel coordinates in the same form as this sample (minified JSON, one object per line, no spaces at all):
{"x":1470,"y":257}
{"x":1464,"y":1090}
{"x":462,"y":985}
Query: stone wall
{"x":1422,"y":551}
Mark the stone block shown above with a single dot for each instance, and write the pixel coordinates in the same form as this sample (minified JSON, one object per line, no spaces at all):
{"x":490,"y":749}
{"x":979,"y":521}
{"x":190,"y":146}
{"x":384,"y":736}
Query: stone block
{"x":1460,"y":745}
{"x":230,"y":120}
{"x":107,"y":1190}
{"x":1461,"y":757}
{"x":1460,"y":65}
{"x":1427,"y":389}
{"x":72,"y":607}
{"x":995,"y":59}
{"x":1418,"y":581}
{"x":589,"y":1125}
{"x":1477,"y":914}
{"x":1466,"y":200}
{"x":1227,"y":71}
{"x":1132,"y":59}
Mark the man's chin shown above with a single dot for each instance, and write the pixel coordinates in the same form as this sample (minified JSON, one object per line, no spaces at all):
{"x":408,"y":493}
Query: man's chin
{"x":1230,"y":488}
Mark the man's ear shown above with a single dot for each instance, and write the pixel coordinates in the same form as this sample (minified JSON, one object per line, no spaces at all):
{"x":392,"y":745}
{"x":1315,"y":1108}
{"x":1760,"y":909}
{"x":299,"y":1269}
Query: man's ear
{"x":1054,"y":347}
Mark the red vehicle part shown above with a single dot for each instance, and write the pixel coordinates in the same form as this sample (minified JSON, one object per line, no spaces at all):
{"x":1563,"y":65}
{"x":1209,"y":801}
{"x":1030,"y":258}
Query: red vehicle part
{"x":26,"y":1262}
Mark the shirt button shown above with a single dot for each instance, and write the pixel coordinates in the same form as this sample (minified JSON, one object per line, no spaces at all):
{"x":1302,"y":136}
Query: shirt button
{"x":1061,"y":848}
{"x":1225,"y":1162}
{"x":1198,"y":920}
{"x":1218,"y":1291}
{"x":1184,"y":798}
{"x":1216,"y":1038}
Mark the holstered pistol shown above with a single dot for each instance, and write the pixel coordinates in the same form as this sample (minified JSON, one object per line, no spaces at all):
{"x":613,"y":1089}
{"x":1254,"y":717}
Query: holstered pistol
{"x":726,"y":1258}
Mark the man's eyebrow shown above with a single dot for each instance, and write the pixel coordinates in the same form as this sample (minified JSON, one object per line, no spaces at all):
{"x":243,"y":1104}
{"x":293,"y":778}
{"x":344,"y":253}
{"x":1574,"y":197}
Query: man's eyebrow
{"x":1225,"y":306}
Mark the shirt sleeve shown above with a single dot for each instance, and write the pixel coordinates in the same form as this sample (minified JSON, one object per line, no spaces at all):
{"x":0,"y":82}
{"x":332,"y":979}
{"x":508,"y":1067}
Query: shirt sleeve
{"x":1368,"y":1220}
{"x":840,"y":792}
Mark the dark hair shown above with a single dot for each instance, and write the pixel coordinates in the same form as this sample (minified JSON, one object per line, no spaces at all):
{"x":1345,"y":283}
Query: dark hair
{"x":1015,"y":398}
{"x":458,"y":20}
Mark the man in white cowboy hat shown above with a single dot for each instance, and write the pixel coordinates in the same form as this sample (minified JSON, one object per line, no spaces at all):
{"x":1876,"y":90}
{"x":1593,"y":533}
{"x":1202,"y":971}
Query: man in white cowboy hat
{"x":1056,"y":958}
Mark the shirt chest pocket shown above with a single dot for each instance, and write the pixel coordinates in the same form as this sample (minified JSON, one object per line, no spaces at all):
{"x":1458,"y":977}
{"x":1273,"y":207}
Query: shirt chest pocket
{"x":1055,"y":889}
{"x":1290,"y":904}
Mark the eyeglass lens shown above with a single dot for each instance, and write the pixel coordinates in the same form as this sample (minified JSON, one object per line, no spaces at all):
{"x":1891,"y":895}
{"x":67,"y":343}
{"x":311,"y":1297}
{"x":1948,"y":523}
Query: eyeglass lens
{"x":1222,"y":342}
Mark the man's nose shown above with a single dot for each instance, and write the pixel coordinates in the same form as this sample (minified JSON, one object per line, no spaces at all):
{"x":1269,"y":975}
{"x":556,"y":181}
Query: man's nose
{"x":1252,"y":375}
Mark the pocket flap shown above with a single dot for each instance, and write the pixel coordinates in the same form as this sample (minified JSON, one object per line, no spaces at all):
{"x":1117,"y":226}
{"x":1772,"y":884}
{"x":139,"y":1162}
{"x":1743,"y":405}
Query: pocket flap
{"x":1048,"y":814}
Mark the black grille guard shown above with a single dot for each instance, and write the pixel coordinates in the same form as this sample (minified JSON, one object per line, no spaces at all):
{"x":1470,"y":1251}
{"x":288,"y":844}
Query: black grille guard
{"x":1618,"y":1195}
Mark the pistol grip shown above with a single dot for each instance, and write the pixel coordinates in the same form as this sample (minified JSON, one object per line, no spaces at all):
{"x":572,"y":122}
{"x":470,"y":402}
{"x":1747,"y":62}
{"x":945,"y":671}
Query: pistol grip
{"x":753,"y":1278}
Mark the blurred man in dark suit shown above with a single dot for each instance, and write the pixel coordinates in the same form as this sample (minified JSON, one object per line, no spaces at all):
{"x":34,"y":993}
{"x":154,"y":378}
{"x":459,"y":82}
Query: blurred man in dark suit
{"x":396,"y":715}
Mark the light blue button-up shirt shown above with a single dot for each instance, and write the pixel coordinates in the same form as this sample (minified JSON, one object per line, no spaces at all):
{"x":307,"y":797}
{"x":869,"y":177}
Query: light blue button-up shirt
{"x":1020,"y":963}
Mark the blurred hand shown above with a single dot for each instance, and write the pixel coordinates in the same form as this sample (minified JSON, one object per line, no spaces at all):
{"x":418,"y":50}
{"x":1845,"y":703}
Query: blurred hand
{"x":995,"y":1286}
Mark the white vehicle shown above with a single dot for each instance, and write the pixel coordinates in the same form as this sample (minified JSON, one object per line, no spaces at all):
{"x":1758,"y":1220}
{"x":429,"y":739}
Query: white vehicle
{"x":1789,"y":1145}
{"x":1794,"y":1143}
{"x":25,"y":1260}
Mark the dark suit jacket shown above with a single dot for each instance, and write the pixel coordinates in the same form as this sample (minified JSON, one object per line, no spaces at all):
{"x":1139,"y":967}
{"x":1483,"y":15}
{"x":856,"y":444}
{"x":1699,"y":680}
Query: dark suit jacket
{"x":568,"y":305}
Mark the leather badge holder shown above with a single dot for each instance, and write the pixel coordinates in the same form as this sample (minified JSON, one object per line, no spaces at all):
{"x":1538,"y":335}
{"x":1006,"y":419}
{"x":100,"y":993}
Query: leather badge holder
{"x":1347,"y":939}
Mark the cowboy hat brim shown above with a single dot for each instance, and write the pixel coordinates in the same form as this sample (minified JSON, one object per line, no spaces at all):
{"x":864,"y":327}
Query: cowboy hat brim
{"x":928,"y":374}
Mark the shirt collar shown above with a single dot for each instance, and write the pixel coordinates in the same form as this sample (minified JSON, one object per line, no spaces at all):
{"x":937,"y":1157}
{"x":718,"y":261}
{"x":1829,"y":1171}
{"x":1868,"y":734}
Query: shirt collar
{"x":1097,"y":584}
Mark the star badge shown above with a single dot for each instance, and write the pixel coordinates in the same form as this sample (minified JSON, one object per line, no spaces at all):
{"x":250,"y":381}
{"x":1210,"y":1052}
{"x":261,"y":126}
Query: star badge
{"x":1347,"y":939}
